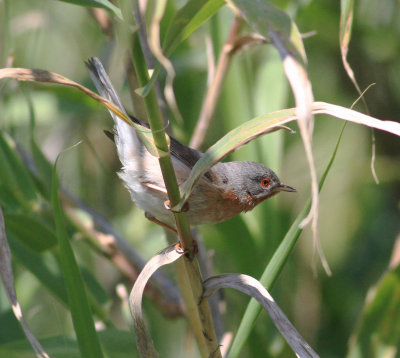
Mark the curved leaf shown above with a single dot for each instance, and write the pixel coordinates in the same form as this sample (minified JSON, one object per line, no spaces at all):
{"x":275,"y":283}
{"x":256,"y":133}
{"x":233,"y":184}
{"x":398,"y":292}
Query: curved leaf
{"x":255,"y":289}
{"x":143,"y":337}
{"x":26,"y":74}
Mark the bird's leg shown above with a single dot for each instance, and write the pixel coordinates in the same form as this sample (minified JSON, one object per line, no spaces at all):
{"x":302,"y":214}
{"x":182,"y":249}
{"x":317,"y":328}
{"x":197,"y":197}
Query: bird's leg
{"x":158,"y":222}
{"x":166,"y":226}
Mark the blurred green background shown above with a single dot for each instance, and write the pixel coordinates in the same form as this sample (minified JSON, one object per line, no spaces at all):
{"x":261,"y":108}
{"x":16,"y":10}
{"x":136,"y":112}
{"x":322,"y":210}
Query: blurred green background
{"x":359,"y":220}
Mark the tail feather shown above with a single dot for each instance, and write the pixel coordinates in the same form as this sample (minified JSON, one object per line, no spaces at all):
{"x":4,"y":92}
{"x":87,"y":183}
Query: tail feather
{"x":126,"y":140}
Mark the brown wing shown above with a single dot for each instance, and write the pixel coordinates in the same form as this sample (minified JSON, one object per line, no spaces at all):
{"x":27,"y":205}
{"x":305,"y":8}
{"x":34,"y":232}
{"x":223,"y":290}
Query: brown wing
{"x":186,"y":154}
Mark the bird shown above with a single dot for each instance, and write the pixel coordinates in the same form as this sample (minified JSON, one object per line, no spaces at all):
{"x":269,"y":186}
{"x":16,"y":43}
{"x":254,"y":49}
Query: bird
{"x":222,"y":192}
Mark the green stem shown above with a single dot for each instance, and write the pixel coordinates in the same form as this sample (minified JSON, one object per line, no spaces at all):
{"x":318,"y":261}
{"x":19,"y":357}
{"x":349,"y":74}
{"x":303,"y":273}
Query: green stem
{"x":189,"y":276}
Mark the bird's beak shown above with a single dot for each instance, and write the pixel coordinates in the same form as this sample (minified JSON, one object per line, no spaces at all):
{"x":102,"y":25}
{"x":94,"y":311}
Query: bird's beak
{"x":288,"y":188}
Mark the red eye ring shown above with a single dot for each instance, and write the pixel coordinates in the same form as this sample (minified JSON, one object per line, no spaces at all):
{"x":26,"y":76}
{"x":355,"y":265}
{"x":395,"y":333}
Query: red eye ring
{"x":265,"y":183}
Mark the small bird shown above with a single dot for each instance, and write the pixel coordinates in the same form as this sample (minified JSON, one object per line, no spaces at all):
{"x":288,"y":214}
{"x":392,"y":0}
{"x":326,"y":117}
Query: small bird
{"x":221,"y":193}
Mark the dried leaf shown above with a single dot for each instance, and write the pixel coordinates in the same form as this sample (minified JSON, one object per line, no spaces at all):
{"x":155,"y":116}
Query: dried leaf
{"x":143,"y":337}
{"x":253,"y":288}
{"x":356,"y":117}
{"x":155,"y":46}
{"x":34,"y":75}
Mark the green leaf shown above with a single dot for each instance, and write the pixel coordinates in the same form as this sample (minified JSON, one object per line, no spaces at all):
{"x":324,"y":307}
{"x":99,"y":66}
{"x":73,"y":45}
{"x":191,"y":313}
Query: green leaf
{"x":105,"y":4}
{"x":38,"y":265}
{"x":60,"y":347}
{"x":118,"y":344}
{"x":275,"y":266}
{"x":187,"y":19}
{"x":82,"y":319}
{"x":95,"y":289}
{"x":273,"y":24}
{"x":8,"y":198}
{"x":30,"y":231}
{"x":230,"y":142}
{"x":14,"y":174}
{"x":10,"y":329}
{"x":378,"y":332}
{"x":42,"y":165}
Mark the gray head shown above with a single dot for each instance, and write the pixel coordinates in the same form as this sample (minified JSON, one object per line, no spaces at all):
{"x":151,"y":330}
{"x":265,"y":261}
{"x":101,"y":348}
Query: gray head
{"x":252,"y":182}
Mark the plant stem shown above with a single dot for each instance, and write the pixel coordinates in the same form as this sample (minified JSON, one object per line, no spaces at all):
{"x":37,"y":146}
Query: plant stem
{"x":212,"y":95}
{"x":190,"y":278}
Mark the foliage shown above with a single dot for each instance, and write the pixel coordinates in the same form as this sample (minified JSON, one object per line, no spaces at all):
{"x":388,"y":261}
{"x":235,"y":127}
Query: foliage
{"x":358,"y":219}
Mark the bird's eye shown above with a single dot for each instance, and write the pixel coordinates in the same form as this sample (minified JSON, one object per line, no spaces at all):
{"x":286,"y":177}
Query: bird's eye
{"x":265,"y":183}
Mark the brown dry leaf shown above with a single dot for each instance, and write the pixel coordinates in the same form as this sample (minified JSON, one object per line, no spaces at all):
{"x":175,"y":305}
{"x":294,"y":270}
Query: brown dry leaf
{"x":35,"y":75}
{"x":143,"y":338}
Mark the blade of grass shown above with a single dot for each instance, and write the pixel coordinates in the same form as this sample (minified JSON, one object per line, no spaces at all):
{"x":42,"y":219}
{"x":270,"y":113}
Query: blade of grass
{"x":42,"y":164}
{"x":14,"y":173}
{"x":105,"y":4}
{"x":82,"y":318}
{"x":37,"y":265}
{"x":187,"y":19}
{"x":378,"y":330}
{"x":30,"y":231}
{"x":275,"y":266}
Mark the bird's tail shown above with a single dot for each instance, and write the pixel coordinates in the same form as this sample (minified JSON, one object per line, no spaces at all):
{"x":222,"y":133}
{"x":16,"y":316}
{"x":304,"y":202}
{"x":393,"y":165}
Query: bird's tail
{"x":127,"y":140}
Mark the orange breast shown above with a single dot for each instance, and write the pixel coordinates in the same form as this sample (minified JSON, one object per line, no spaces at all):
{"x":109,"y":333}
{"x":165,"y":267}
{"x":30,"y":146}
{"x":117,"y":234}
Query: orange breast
{"x":210,"y":204}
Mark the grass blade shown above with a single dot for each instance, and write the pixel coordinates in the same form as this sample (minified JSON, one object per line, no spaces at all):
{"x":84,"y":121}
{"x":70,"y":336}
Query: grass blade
{"x":30,"y":231}
{"x":88,"y":340}
{"x":105,"y":4}
{"x":378,"y":331}
{"x":187,"y":19}
{"x":275,"y":266}
{"x":14,"y":174}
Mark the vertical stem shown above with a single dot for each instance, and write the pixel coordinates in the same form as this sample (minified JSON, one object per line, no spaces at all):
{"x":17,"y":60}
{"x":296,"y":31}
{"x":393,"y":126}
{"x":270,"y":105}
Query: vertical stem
{"x":190,"y":279}
{"x":212,"y":95}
